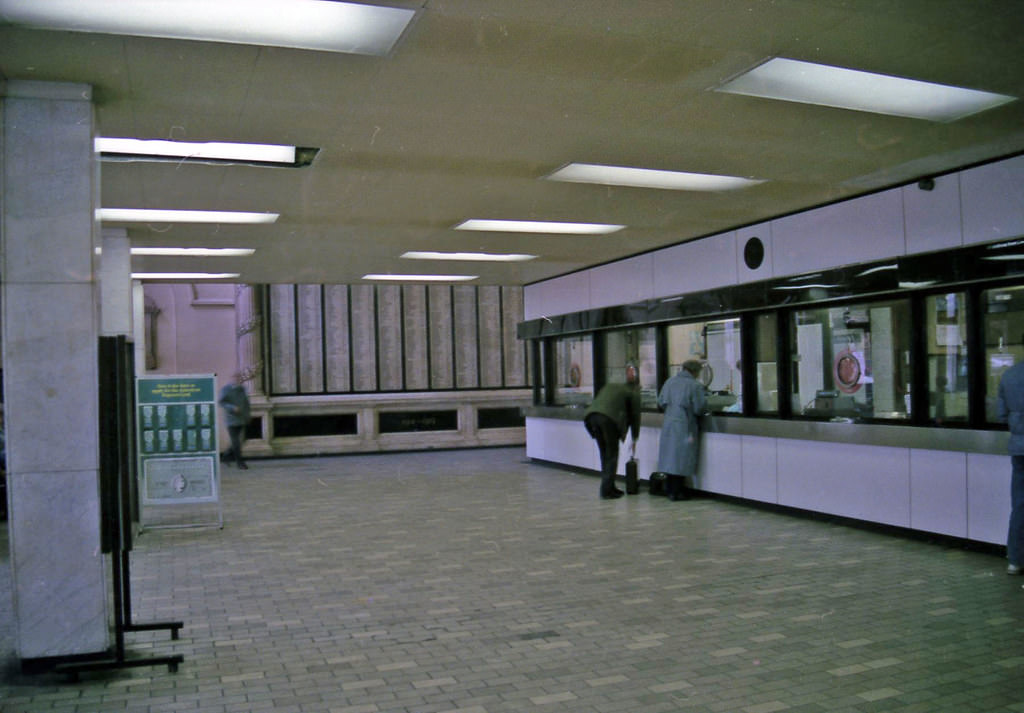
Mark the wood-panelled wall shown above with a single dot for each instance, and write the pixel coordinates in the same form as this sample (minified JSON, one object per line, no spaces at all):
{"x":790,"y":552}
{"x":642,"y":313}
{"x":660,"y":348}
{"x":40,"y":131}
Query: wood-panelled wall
{"x":334,"y":339}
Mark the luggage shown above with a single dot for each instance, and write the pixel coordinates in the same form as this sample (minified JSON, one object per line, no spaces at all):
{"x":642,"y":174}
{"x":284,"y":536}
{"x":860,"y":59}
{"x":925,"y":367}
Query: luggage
{"x":632,"y":481}
{"x":656,"y":484}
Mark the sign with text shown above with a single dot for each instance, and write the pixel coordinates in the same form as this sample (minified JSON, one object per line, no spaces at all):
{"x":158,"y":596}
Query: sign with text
{"x":176,"y":424}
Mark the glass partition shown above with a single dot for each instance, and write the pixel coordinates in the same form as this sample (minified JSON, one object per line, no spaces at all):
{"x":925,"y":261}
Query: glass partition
{"x":946,"y":324}
{"x":852,"y":361}
{"x":767,"y":362}
{"x":574,"y":370}
{"x":636,"y":345}
{"x":1003,"y":316}
{"x":717,"y":345}
{"x":839,"y":360}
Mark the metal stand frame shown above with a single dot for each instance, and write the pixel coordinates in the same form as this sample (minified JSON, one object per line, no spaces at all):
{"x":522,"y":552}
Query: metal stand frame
{"x":117,"y":397}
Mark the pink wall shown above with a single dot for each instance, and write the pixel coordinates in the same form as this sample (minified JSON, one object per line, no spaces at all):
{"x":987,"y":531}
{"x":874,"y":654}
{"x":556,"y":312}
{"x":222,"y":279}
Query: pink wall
{"x":195,"y":331}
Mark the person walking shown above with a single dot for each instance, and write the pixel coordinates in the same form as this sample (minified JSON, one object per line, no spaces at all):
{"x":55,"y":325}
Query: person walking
{"x":684,"y":400}
{"x":614,"y":412}
{"x":235,"y":403}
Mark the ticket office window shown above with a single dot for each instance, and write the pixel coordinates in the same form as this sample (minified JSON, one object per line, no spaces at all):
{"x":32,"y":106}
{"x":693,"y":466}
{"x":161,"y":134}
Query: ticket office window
{"x":573,"y":379}
{"x":1003,"y":330}
{"x":946,"y":344}
{"x":717,"y":345}
{"x":633,"y":346}
{"x":766,"y":361}
{"x":852,"y":361}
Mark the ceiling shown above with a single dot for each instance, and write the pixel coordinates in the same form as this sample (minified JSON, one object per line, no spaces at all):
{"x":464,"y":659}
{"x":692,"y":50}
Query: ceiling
{"x":480,"y":99}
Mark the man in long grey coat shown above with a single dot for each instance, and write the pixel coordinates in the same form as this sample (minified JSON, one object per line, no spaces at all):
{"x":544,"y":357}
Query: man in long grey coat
{"x":684,"y":400}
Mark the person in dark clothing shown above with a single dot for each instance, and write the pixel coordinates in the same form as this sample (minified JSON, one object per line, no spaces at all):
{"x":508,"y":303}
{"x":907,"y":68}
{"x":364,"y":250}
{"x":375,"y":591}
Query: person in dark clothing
{"x":614,"y":412}
{"x":1011,"y":410}
{"x":235,"y":403}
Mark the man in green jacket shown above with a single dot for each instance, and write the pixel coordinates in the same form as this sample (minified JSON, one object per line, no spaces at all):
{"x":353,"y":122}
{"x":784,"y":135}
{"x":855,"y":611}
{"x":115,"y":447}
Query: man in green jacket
{"x":615,"y":410}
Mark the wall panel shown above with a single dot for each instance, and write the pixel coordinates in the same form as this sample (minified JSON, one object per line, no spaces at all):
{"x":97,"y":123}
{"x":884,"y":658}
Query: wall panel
{"x":414,"y":336}
{"x":561,"y":295}
{"x":311,"y":338}
{"x":933,"y":217}
{"x":938,"y":492}
{"x":336,"y":339}
{"x":442,"y":353}
{"x":988,"y":497}
{"x":489,"y":335}
{"x":993,"y":201}
{"x":513,"y":350}
{"x":696,"y":265}
{"x":760,"y":477}
{"x":389,"y":337}
{"x":337,"y":345}
{"x":721,"y":464}
{"x":859,"y":230}
{"x":281,"y":324}
{"x":622,"y":282}
{"x":464,"y":315}
{"x":364,"y":337}
{"x":863,"y":482}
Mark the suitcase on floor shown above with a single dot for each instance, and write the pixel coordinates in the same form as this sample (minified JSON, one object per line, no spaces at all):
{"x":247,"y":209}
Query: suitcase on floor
{"x":656,"y":485}
{"x":632,"y":481}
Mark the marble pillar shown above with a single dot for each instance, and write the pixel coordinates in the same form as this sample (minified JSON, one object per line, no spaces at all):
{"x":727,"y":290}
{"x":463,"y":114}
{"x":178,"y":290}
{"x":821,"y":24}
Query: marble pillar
{"x":248,"y":335}
{"x":116,"y":283}
{"x":50,"y":325}
{"x":139,"y":317}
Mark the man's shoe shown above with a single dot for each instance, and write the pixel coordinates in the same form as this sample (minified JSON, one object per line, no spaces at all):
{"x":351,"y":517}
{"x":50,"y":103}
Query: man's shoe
{"x":243,"y":466}
{"x":612,"y":495}
{"x":618,"y":492}
{"x":1013,"y":569}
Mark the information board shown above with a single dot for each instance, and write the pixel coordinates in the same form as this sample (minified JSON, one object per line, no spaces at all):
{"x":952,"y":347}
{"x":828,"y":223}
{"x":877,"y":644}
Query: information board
{"x":177,"y":442}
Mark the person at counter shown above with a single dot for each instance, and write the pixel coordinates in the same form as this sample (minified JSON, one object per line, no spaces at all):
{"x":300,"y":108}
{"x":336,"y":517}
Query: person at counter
{"x":614,"y":411}
{"x":1011,"y":411}
{"x":684,"y":400}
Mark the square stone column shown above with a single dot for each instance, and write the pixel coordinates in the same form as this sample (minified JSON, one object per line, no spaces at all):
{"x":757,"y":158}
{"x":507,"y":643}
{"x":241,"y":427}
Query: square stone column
{"x":50,"y":326}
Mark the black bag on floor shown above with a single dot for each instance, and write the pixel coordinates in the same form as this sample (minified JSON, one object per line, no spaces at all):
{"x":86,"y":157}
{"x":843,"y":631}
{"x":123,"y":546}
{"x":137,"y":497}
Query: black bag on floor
{"x":632,"y":481}
{"x":656,"y":485}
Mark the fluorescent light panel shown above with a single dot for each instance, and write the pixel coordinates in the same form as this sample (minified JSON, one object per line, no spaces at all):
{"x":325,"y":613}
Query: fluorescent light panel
{"x":537,"y":226}
{"x":810,"y":83}
{"x":649,"y":178}
{"x":223,"y":151}
{"x":184,"y":275}
{"x":420,"y":278}
{"x":473,"y":257}
{"x":145,"y":215}
{"x":195,"y":252}
{"x":320,"y":25}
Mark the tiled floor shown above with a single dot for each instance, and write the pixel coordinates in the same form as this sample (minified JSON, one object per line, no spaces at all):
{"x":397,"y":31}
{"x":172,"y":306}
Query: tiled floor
{"x":477,"y":582}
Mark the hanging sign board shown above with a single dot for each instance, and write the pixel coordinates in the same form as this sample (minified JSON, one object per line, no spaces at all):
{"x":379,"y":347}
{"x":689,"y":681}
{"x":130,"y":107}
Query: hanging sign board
{"x":177,"y":439}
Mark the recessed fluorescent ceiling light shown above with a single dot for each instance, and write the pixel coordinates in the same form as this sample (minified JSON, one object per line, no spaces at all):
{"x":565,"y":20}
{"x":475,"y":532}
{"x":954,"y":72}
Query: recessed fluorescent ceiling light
{"x":301,"y":24}
{"x":131,"y":215}
{"x":184,"y":275}
{"x":219,"y":151}
{"x":809,"y":83}
{"x":648,"y":178}
{"x":537,"y":226}
{"x":195,"y":252}
{"x":475,"y":257}
{"x":420,"y":278}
